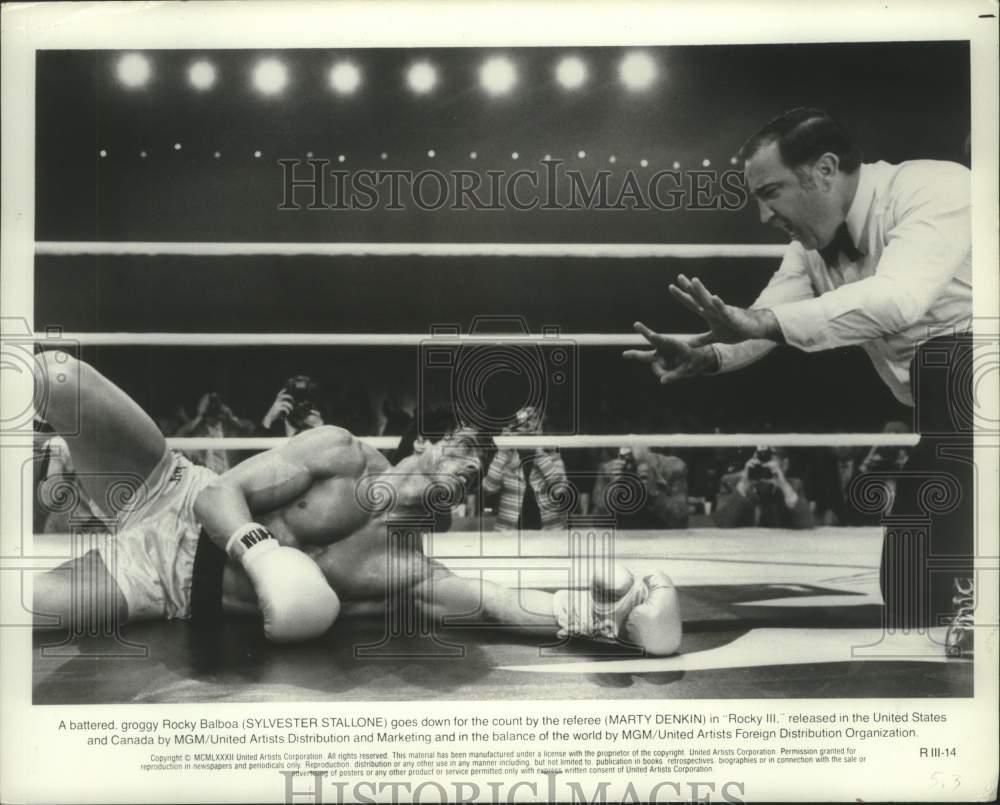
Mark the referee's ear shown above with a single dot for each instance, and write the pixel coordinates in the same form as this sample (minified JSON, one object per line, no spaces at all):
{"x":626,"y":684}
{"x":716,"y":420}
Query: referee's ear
{"x":827,"y":166}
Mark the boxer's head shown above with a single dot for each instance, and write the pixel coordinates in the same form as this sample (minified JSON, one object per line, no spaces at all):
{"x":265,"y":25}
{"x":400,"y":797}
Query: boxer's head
{"x":802,"y":169}
{"x":436,"y":444}
{"x":461,"y":454}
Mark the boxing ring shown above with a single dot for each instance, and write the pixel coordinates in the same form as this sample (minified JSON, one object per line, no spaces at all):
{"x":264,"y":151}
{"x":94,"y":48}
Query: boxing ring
{"x":767,"y":612}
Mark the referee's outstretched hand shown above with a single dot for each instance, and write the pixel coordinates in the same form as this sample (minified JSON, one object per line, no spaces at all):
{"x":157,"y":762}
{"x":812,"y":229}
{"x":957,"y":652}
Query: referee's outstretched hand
{"x":672,"y":358}
{"x":727,"y":324}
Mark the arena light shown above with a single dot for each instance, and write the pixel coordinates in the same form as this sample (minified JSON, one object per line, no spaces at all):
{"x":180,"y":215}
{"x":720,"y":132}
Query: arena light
{"x":497,"y":75}
{"x":637,"y":71}
{"x":201,"y":74}
{"x":270,"y":76}
{"x":422,"y":77}
{"x":571,"y":72}
{"x":133,"y":70}
{"x":345,"y":78}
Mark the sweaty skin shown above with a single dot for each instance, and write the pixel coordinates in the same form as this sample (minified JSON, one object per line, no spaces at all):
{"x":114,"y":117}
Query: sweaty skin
{"x":310,"y":494}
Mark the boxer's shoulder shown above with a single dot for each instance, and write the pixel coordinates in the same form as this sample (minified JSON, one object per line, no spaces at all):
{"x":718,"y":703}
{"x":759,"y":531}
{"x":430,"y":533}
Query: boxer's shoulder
{"x":327,"y":450}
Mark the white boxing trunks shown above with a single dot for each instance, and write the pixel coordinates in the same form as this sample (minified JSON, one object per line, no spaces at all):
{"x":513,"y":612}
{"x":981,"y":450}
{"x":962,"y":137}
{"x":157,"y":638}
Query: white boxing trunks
{"x":151,"y":556}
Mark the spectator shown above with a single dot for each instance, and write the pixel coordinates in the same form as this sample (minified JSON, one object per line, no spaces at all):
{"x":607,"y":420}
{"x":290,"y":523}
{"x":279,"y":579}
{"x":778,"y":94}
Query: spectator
{"x":580,"y":463}
{"x":708,"y":471}
{"x":214,"y":418}
{"x":665,"y":479}
{"x":838,"y":468}
{"x":525,"y":480}
{"x":397,"y":418}
{"x":761,"y":494}
{"x":297,"y":407}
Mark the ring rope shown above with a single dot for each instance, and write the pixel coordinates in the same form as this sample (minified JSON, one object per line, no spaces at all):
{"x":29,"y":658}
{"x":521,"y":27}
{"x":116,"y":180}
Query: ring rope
{"x":577,"y":250}
{"x":601,"y":440}
{"x":328,"y":339}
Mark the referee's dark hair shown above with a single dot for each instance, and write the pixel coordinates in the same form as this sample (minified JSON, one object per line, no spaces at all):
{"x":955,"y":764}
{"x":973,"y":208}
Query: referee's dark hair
{"x":803,"y":135}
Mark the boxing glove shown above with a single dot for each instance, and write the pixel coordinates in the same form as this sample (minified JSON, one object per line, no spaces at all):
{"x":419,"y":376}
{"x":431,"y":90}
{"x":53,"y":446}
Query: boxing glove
{"x":618,"y":607}
{"x":294,"y":597}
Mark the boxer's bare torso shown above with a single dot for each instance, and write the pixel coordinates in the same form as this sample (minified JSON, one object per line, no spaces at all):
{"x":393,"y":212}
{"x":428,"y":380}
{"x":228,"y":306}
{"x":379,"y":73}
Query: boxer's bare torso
{"x":332,"y":523}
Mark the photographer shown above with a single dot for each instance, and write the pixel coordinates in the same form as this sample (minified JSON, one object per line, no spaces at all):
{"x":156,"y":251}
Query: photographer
{"x":296,"y":408}
{"x":214,"y":418}
{"x":839,"y":466}
{"x":762,"y":495}
{"x":524,"y":481}
{"x":664,"y":478}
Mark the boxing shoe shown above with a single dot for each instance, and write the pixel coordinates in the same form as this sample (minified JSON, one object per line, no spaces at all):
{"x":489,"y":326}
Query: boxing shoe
{"x":959,"y":638}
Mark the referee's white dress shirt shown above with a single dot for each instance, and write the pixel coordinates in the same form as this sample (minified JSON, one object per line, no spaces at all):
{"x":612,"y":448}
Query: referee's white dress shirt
{"x":913,"y":281}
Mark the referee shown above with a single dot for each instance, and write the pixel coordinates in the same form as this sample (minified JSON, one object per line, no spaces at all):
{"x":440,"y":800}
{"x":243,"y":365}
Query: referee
{"x":880,"y":257}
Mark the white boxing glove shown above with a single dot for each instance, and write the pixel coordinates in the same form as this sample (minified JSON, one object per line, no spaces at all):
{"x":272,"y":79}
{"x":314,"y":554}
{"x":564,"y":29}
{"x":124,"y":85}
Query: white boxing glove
{"x":621,"y":608}
{"x":294,"y":597}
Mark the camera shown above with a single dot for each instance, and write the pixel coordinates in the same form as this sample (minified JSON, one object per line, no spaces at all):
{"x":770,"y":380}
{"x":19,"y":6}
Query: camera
{"x":629,"y":466}
{"x":214,"y":406}
{"x":304,"y":392}
{"x":758,"y":472}
{"x":497,"y":370}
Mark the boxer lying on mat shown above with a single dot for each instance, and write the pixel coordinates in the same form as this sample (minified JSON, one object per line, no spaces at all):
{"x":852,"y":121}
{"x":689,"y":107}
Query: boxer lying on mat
{"x":292,"y":535}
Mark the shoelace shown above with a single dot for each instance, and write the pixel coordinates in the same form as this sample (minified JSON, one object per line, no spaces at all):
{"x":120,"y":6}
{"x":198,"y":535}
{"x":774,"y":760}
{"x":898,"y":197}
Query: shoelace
{"x":963,"y":616}
{"x":964,"y":601}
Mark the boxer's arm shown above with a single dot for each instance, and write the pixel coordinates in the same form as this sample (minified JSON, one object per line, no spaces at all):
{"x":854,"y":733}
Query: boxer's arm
{"x":474,"y":600}
{"x":295,"y":600}
{"x":274,"y":479}
{"x":651,"y":621}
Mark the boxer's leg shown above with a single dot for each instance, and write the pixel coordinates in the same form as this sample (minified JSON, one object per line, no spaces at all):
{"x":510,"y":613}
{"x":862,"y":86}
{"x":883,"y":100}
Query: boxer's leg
{"x":79,"y":589}
{"x":111,"y":439}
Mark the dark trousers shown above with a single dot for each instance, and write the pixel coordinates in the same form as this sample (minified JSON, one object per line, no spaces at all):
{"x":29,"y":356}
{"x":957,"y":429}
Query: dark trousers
{"x":929,"y":532}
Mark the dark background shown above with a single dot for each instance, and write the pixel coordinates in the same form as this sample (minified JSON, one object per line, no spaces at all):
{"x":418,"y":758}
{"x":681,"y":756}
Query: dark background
{"x":902,"y":101}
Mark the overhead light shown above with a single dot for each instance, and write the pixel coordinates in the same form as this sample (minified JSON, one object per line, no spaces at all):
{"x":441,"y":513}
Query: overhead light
{"x":270,"y":76}
{"x":133,"y":70}
{"x":345,"y":78}
{"x":422,"y":77}
{"x":498,"y":75}
{"x":571,"y":72}
{"x":201,"y":74}
{"x":637,"y":70}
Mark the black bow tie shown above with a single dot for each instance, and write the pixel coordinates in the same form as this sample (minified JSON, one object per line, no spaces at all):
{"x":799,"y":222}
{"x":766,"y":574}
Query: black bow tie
{"x":841,"y":244}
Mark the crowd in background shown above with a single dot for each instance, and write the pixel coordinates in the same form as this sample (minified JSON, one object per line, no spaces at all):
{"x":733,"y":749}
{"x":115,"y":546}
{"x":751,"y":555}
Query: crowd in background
{"x":527,"y":489}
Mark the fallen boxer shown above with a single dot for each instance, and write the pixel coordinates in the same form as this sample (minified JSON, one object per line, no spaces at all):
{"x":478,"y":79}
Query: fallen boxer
{"x":291,"y":535}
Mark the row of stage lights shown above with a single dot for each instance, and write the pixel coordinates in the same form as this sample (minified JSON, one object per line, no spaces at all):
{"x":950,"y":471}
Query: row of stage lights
{"x":498,"y":75}
{"x":431,"y":154}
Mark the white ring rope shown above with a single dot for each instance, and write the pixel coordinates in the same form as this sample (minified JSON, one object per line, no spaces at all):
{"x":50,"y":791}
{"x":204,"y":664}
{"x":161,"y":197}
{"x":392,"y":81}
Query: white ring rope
{"x":58,"y":248}
{"x":602,"y":440}
{"x":330,"y":339}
